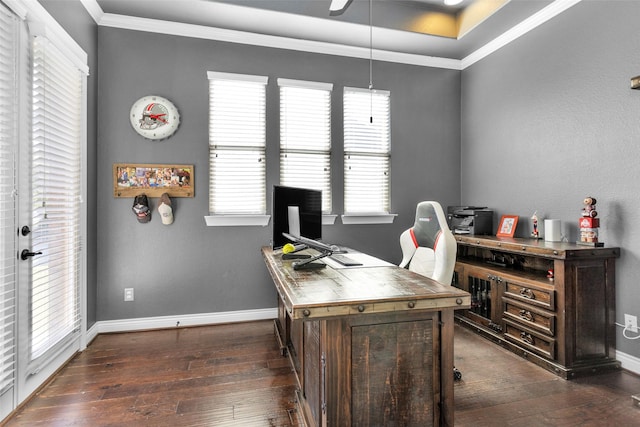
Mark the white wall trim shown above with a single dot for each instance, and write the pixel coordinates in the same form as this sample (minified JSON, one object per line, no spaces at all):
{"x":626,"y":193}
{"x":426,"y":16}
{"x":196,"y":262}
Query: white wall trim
{"x":94,"y":9}
{"x":243,"y":37}
{"x":278,"y":42}
{"x":163,"y":322}
{"x":629,"y":362}
{"x":539,"y":18}
{"x":42,"y":23}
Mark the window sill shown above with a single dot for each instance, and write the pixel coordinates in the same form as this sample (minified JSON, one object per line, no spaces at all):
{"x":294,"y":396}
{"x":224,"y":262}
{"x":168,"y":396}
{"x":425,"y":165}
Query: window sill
{"x":368,"y":218}
{"x":329,"y":219}
{"x":236,"y":220}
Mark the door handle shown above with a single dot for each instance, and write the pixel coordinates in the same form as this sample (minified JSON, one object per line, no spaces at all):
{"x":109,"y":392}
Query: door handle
{"x":26,"y":254}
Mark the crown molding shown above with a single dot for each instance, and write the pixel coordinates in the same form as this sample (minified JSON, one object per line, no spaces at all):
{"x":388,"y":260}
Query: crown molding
{"x":278,"y":42}
{"x":535,"y":20}
{"x":94,"y":9}
{"x":243,"y":37}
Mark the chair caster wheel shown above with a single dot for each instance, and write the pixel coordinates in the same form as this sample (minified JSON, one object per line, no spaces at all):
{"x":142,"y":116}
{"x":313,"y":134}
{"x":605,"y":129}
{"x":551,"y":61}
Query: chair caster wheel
{"x":457,"y":375}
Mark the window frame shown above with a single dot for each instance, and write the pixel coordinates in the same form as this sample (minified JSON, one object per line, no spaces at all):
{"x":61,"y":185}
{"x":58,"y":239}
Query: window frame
{"x":258,"y":218}
{"x":290,"y":143}
{"x":364,"y":217}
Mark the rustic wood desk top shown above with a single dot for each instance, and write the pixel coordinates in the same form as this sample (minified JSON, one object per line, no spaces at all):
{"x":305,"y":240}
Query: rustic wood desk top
{"x":329,"y":292}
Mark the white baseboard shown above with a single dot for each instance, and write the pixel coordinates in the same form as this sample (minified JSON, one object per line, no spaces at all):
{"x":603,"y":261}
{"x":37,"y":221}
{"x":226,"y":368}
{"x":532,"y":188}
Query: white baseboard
{"x":163,"y":322}
{"x":628,"y":362}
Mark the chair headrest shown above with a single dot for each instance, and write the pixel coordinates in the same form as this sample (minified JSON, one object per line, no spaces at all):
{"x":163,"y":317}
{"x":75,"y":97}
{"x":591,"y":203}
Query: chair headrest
{"x":427,"y":225}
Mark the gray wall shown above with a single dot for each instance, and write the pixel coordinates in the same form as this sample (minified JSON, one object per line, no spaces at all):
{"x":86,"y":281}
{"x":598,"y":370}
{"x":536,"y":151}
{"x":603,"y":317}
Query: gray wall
{"x":82,"y":28}
{"x":189,"y":268}
{"x":550,"y":119}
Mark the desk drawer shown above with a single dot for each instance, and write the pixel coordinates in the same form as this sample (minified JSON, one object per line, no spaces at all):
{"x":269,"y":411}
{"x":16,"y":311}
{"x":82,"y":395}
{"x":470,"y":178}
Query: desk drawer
{"x":529,"y":339}
{"x":531,"y":317}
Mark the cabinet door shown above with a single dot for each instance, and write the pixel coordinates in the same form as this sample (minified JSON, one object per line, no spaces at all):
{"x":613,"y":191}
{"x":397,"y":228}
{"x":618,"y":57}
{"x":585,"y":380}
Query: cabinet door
{"x":392,"y":374}
{"x":486,"y":291}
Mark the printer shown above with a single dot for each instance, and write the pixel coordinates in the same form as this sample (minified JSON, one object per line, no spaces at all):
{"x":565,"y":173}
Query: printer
{"x":470,"y":220}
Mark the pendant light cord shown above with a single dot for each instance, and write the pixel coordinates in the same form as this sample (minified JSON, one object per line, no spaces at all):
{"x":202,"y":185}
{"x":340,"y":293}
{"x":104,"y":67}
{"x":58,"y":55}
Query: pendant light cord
{"x":371,"y":60}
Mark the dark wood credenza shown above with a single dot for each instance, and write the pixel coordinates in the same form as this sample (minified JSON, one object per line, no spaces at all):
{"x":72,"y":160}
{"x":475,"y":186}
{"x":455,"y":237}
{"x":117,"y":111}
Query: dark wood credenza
{"x":564,"y":323}
{"x":368,"y":345}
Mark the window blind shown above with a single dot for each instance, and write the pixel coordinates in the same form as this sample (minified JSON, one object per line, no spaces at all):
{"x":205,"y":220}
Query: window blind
{"x":8,"y":147}
{"x":367,"y":151}
{"x":305,"y":136}
{"x":57,"y":125}
{"x":237,"y":143}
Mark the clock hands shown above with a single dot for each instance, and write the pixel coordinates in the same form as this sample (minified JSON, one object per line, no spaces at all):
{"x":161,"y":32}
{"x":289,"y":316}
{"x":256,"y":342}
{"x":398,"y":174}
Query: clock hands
{"x":157,"y":117}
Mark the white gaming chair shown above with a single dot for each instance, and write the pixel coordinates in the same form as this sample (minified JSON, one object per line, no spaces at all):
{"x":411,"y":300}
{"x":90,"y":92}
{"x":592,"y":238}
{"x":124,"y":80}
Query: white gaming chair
{"x":429,"y":248}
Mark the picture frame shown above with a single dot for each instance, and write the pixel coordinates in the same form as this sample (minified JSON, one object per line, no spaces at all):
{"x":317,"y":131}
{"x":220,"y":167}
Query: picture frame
{"x":131,"y":179}
{"x":507,"y":226}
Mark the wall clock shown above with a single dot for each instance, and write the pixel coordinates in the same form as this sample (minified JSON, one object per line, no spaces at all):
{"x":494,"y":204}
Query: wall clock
{"x":154,"y":117}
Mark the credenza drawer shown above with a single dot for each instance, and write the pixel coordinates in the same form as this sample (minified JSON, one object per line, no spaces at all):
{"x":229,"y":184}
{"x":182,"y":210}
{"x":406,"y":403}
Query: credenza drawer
{"x":531,"y":317}
{"x":534,"y":294}
{"x":529,"y":339}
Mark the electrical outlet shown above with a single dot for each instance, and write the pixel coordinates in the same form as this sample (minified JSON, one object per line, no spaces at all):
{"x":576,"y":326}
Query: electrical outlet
{"x":631,"y":322}
{"x":128,"y":294}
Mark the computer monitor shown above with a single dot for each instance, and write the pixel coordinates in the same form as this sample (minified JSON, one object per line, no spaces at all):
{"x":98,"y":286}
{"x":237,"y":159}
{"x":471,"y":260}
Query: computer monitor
{"x":308,"y":204}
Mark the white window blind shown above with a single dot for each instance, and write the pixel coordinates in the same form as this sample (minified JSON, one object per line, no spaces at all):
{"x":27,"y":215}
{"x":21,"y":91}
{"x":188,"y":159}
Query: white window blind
{"x":367,"y":151}
{"x":237,"y":143}
{"x":305,"y":136}
{"x":8,"y":147}
{"x":57,"y":126}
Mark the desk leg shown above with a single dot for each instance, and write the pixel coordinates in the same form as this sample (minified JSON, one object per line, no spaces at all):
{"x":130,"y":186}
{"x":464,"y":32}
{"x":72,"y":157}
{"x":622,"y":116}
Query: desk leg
{"x":446,"y":367}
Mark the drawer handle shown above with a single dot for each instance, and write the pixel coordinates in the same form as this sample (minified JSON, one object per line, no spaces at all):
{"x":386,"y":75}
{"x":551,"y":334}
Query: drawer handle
{"x":526,"y":315}
{"x":527,"y":293}
{"x":526,"y":338}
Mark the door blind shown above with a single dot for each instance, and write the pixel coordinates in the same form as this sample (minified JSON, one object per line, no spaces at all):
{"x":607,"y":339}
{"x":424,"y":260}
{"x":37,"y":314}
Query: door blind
{"x":367,"y":151}
{"x":237,"y":143}
{"x":57,"y":126}
{"x":8,"y":235}
{"x":305,"y":136}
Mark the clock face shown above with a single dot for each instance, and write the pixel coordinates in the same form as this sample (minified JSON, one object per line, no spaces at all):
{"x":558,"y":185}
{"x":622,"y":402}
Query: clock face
{"x":154,"y":117}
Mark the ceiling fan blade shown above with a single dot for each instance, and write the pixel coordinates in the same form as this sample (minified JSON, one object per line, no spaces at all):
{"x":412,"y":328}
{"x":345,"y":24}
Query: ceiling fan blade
{"x":337,"y":7}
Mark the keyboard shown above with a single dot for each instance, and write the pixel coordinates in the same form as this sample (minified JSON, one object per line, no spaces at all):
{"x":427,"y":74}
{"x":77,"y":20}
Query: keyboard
{"x":344,"y":260}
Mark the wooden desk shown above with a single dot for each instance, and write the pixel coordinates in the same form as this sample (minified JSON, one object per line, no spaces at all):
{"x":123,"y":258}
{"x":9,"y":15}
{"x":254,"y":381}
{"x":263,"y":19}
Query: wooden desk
{"x":370,"y":346}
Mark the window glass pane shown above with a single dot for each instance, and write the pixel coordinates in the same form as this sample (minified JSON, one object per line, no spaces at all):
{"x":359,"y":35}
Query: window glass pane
{"x":8,"y":236}
{"x":236,"y":181}
{"x":307,"y":170}
{"x":305,"y":137}
{"x":237,"y":122}
{"x":366,"y":184}
{"x":367,"y":147}
{"x":57,"y":127}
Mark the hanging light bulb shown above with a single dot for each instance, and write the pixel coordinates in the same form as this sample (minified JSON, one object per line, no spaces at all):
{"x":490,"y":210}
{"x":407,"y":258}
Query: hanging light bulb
{"x":452,"y":2}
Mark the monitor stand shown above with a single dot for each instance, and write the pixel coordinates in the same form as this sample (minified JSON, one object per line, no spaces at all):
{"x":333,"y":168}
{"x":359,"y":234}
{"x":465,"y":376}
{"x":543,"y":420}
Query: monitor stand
{"x":308,"y":265}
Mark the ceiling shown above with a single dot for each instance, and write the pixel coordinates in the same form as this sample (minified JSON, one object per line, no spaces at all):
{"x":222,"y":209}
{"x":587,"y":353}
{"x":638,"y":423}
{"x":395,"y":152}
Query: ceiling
{"x":450,"y":34}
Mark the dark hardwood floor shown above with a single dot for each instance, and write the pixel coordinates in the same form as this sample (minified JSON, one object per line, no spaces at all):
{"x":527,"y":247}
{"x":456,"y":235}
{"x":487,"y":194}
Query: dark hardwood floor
{"x":234,"y":375}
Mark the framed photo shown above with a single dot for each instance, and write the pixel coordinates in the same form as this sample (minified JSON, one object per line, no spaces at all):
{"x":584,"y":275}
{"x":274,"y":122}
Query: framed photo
{"x":129,"y":180}
{"x":507,"y":226}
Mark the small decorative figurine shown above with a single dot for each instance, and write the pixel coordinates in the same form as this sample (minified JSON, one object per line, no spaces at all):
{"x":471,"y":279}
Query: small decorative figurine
{"x":550,"y":273}
{"x":534,"y":220}
{"x":589,"y":223}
